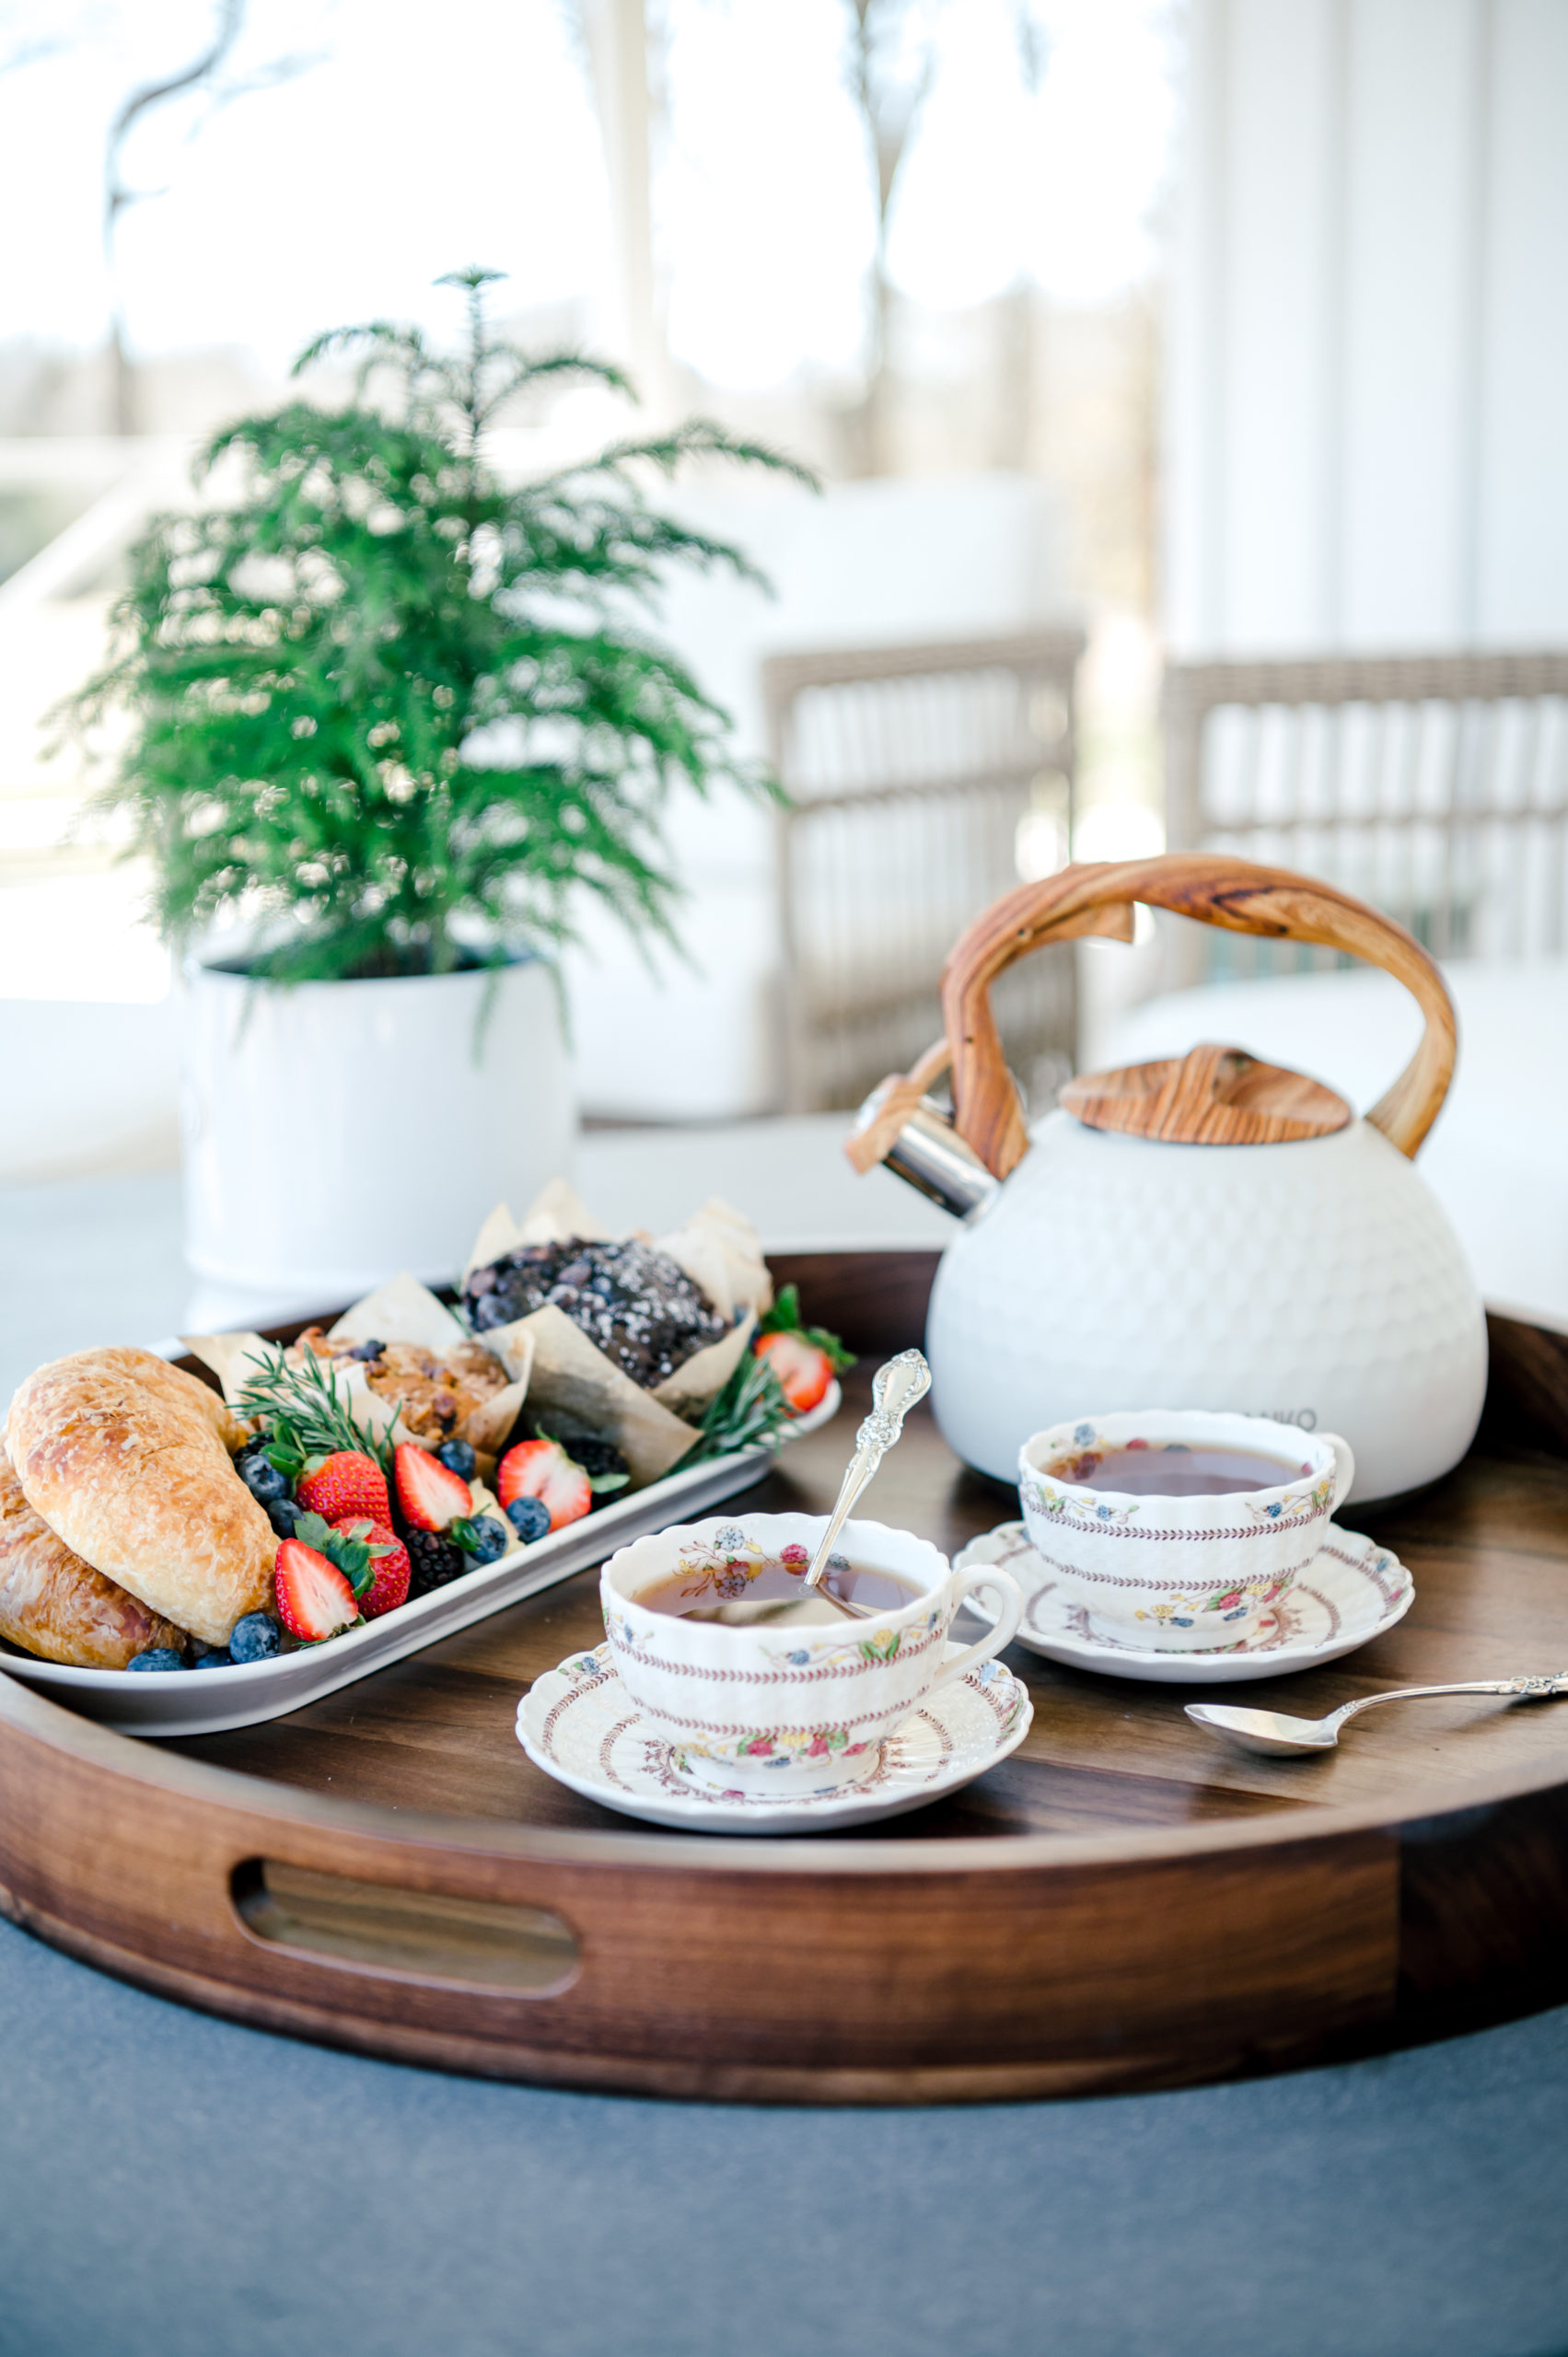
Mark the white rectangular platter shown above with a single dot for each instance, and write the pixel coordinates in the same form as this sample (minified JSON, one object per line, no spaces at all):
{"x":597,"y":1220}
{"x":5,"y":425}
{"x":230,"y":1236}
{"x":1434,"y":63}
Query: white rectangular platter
{"x":210,"y":1701}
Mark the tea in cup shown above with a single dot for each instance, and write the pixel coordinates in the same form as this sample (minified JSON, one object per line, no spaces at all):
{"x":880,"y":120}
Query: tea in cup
{"x":756,"y":1681}
{"x":1178,"y":1529}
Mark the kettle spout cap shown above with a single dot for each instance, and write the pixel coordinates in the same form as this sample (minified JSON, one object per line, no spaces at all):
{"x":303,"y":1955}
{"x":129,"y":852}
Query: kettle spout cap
{"x":902,"y":1127}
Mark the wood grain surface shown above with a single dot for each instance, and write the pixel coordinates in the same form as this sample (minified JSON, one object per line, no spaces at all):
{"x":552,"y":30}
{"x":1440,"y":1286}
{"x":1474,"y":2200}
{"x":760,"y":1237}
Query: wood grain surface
{"x":1122,"y":1903}
{"x":1238,"y":895}
{"x":1212,"y":1096}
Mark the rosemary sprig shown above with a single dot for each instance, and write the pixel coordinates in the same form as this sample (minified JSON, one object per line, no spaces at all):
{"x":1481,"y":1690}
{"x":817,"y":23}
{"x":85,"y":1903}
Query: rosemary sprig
{"x":748,"y":1412}
{"x":304,"y":1413}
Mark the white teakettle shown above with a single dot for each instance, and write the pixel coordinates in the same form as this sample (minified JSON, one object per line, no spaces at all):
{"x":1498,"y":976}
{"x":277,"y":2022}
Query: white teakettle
{"x":1206,"y":1232}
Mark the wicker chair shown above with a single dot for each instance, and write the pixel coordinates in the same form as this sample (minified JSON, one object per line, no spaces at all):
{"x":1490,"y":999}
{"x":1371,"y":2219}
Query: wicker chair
{"x":911,"y":771}
{"x":1435,"y":786}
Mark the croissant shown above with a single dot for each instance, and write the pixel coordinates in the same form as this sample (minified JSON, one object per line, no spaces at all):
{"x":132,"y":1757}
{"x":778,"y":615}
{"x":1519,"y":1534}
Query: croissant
{"x":128,"y":1460}
{"x":53,"y":1605}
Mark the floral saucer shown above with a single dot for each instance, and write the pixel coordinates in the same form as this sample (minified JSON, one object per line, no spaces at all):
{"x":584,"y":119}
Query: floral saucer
{"x":581,"y":1726}
{"x":1350,"y":1594}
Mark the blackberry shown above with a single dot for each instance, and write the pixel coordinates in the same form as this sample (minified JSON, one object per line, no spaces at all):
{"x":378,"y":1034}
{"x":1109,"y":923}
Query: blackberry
{"x":594,"y":1455}
{"x":433,"y":1560}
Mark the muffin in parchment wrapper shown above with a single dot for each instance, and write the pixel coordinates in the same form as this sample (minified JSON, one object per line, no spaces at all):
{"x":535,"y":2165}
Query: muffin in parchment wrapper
{"x":432,"y":1383}
{"x":575,"y":1383}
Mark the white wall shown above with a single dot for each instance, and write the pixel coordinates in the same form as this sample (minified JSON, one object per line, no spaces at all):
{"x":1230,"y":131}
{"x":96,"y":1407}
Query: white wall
{"x":884,"y":562}
{"x":1367,"y":412}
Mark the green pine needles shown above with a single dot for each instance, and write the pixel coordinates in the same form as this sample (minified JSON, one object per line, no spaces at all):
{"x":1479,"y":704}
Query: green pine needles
{"x":392,"y":714}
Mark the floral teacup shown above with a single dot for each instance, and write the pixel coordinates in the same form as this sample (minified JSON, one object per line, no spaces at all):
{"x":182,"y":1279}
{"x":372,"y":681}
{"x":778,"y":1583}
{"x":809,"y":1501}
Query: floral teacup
{"x":1165,"y":1571}
{"x":791,"y":1706}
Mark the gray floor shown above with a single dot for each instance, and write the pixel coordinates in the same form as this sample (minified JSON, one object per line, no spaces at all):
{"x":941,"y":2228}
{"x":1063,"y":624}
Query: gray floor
{"x":174,"y":2187}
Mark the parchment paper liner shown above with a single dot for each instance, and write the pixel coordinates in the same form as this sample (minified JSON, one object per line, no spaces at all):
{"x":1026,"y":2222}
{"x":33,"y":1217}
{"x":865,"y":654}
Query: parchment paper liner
{"x":402,"y":1310}
{"x":571,"y":1377}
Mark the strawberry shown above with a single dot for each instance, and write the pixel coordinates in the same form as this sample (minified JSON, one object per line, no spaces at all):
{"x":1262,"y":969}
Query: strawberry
{"x":343,"y":1487}
{"x":390,"y":1572}
{"x":804,"y":1372}
{"x":541,"y":1469}
{"x":430,"y":1494}
{"x":313,"y":1598}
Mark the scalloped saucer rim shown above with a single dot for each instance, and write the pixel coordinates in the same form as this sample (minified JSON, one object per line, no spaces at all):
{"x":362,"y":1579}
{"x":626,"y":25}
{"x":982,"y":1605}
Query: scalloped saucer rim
{"x":1351,"y":1593}
{"x":579,"y":1725}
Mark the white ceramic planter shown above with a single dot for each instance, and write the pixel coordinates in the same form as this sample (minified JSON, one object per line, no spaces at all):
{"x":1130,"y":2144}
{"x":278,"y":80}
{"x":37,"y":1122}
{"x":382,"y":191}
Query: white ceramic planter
{"x":337,"y":1131}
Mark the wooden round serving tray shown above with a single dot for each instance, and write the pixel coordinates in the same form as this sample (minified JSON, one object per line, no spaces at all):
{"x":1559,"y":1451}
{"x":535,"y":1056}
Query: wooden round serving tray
{"x":1122,"y":1904}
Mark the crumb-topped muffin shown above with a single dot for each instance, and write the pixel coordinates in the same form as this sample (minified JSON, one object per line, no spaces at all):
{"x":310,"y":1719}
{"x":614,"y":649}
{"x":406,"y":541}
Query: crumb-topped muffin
{"x":639,"y":1306}
{"x":438,"y":1393}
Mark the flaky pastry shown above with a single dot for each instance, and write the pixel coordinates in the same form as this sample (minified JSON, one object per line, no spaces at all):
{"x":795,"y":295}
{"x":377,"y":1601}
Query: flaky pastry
{"x":53,"y":1605}
{"x":128,"y":1460}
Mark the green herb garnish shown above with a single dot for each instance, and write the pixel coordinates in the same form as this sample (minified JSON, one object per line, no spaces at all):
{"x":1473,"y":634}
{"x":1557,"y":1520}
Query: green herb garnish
{"x":748,"y":1412}
{"x":304,"y":1415}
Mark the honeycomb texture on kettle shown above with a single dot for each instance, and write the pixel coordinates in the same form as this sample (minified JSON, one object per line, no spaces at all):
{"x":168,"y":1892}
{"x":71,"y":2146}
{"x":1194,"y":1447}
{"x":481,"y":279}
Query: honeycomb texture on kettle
{"x":1319,"y":1281}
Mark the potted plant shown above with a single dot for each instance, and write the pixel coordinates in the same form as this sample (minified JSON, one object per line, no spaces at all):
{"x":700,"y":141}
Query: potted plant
{"x":390,"y":718}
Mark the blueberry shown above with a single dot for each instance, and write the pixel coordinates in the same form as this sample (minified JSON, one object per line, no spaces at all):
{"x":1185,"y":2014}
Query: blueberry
{"x":530,"y":1517}
{"x":255,"y":1638}
{"x":263,"y":1480}
{"x":158,"y":1657}
{"x":283,"y":1514}
{"x":213,"y":1661}
{"x":490,"y":1538}
{"x":459,"y":1456}
{"x":368,"y":1350}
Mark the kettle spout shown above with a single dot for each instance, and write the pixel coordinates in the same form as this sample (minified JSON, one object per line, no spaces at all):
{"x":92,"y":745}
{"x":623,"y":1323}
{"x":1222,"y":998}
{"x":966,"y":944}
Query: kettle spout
{"x":912,"y":1135}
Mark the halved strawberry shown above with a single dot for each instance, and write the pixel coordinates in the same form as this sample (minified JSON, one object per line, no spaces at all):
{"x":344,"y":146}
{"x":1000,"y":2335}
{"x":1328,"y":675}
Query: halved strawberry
{"x":390,"y":1572}
{"x":804,"y":1372}
{"x":347,"y":1485}
{"x":541,"y":1469}
{"x":429,"y":1492}
{"x":313,"y":1598}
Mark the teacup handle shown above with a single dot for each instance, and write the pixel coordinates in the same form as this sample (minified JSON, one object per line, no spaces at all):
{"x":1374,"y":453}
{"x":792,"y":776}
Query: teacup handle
{"x":1344,"y":1467}
{"x":1007,"y":1619}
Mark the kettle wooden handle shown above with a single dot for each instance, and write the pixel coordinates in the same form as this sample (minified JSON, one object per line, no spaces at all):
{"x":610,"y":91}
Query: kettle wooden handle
{"x":1237,"y":894}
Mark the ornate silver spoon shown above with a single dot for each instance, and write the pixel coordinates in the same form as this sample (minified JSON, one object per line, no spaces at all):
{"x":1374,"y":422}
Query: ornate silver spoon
{"x":894,"y":1390}
{"x":1276,"y":1731}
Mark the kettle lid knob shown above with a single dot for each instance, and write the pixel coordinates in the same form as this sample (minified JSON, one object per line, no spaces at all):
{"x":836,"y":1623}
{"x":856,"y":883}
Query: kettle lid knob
{"x":1210,"y":1097}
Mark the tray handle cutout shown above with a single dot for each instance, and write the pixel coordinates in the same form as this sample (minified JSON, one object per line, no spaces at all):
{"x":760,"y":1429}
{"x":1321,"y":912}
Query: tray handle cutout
{"x":419,"y":1934}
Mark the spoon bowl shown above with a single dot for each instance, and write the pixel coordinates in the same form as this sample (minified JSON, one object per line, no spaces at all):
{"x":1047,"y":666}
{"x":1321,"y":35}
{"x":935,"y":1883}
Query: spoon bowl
{"x":1277,"y":1733}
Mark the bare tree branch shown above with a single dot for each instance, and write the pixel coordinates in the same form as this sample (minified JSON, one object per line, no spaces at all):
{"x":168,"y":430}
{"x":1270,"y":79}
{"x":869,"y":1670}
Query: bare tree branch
{"x":142,"y":101}
{"x":890,"y":103}
{"x":201,"y":73}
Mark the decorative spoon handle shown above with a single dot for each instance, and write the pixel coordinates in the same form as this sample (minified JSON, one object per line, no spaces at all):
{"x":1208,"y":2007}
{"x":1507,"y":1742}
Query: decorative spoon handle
{"x":1537,"y":1689}
{"x":894,"y":1391}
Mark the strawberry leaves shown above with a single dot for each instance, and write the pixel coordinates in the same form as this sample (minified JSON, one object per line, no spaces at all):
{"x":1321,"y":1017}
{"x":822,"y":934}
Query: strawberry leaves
{"x":784,"y":1318}
{"x":352,"y":1550}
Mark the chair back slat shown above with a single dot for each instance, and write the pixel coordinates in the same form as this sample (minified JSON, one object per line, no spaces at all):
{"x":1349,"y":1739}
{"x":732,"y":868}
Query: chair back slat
{"x":1434,"y":786}
{"x":909,"y":772}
